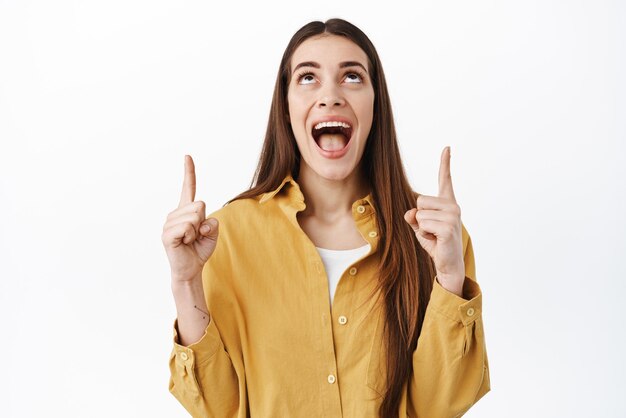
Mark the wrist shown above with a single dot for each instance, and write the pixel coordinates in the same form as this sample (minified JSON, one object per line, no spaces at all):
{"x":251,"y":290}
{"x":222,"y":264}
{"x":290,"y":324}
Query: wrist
{"x":452,"y":282}
{"x":186,"y":281}
{"x":187,"y":288}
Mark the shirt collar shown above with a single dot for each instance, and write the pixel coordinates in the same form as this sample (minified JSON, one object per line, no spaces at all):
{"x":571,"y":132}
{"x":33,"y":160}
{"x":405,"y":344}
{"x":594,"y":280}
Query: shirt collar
{"x":288,"y":179}
{"x":297,"y":195}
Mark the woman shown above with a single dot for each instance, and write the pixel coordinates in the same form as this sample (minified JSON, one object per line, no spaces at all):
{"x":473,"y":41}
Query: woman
{"x":329,"y":288}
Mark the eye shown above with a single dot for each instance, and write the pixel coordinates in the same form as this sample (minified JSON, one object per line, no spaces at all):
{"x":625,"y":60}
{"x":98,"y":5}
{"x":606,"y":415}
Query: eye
{"x":354,"y":77}
{"x":306,"y":78}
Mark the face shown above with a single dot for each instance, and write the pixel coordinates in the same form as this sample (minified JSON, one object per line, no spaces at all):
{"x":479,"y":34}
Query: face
{"x":331,"y":105}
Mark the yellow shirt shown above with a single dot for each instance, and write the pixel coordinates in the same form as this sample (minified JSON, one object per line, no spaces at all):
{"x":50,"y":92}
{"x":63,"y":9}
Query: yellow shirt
{"x":274,"y":347}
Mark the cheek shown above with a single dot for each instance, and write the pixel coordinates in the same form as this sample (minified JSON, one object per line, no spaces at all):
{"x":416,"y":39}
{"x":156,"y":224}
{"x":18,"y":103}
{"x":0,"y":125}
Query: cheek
{"x":298,"y":111}
{"x":297,"y":103}
{"x":365,"y":112}
{"x":301,"y":140}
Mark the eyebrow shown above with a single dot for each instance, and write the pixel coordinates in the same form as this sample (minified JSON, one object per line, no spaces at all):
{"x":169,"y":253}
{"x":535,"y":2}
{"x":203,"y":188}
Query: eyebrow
{"x":343,"y":64}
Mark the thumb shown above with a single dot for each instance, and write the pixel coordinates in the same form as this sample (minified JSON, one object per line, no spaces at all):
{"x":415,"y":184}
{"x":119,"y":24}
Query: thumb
{"x":209,"y":228}
{"x":409,"y":217}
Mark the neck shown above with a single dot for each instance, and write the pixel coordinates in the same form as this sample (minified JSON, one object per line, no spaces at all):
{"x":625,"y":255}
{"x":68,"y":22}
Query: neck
{"x":329,"y":199}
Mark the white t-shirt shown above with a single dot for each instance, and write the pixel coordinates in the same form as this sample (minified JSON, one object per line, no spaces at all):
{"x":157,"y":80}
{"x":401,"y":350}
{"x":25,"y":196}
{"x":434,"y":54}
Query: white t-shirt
{"x":337,"y":261}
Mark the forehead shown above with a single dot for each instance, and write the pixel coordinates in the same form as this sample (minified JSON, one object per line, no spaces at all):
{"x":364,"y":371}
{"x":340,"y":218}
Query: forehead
{"x":328,"y":50}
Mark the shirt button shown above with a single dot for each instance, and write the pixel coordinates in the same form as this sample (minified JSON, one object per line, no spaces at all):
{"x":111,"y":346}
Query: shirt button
{"x":184,"y":356}
{"x":331,"y":379}
{"x":343,"y":320}
{"x":373,"y":234}
{"x":360,"y":209}
{"x":353,"y":271}
{"x":470,"y":311}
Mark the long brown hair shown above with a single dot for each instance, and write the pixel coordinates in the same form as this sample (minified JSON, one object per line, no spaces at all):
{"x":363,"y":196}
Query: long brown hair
{"x":406,"y":270}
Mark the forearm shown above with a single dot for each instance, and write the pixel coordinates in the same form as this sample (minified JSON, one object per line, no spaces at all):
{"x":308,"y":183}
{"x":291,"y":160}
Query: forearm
{"x":191,"y":310}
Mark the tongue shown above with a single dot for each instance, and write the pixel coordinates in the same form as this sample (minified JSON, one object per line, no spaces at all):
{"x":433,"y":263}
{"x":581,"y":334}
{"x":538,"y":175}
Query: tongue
{"x":332,"y":142}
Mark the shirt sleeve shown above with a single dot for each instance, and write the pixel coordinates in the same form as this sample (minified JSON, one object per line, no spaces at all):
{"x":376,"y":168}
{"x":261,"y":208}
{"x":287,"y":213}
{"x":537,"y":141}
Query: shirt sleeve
{"x":202,"y":376}
{"x":450,"y":366}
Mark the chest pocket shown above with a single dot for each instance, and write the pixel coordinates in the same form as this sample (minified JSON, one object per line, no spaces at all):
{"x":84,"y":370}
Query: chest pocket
{"x":377,"y":363}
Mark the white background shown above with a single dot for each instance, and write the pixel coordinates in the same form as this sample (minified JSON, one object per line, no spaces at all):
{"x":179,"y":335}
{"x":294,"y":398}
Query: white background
{"x":99,"y":101}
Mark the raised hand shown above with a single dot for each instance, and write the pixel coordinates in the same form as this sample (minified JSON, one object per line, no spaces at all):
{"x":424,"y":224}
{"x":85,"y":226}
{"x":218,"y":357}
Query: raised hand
{"x":437,"y":225}
{"x":189,"y":239}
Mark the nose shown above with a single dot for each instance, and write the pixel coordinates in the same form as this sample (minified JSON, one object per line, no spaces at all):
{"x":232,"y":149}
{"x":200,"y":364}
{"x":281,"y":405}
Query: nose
{"x":330,"y":97}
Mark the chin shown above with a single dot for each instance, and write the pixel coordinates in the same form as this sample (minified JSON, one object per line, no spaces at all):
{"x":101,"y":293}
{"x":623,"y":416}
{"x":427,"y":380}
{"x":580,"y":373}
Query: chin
{"x":333,"y":172}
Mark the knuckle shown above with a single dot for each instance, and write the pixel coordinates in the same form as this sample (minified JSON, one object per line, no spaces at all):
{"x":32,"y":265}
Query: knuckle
{"x":168,"y":224}
{"x":199,"y":206}
{"x":166,"y":238}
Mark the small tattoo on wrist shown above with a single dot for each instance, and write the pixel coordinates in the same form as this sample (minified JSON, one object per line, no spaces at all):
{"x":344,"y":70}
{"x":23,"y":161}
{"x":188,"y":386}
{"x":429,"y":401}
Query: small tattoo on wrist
{"x":204,"y":317}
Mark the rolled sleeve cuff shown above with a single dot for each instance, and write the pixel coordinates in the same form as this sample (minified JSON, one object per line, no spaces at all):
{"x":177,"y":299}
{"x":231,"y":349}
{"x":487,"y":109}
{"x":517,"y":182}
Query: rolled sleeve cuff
{"x":455,"y":307}
{"x":199,"y":352}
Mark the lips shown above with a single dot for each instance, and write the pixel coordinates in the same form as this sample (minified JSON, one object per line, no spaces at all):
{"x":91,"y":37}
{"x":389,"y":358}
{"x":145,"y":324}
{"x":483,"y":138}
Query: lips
{"x":332,"y":132}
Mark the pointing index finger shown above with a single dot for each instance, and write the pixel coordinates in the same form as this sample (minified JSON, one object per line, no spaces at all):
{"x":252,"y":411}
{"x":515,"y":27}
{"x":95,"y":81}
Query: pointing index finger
{"x":445,"y":179}
{"x":189,"y":183}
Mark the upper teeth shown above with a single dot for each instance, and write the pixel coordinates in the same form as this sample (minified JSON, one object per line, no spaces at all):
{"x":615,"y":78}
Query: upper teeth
{"x":330,"y":124}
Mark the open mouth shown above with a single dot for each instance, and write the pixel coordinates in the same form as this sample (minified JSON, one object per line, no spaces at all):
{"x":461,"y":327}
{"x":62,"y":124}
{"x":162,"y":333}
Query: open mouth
{"x":332,"y":136}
